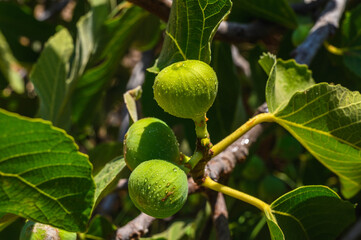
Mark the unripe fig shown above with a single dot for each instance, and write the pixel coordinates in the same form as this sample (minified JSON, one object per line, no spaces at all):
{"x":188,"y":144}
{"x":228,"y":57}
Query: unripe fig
{"x":39,"y":231}
{"x":158,"y":188}
{"x":149,"y":138}
{"x":186,"y":89}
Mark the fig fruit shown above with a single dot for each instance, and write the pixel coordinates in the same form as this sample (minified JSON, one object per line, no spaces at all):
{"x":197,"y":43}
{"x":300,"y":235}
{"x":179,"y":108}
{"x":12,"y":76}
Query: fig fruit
{"x":149,"y":138}
{"x":38,"y":231}
{"x":158,"y":188}
{"x":186,"y":89}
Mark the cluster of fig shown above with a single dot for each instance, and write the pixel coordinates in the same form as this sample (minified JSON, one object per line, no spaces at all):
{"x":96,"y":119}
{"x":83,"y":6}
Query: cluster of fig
{"x":158,"y":183}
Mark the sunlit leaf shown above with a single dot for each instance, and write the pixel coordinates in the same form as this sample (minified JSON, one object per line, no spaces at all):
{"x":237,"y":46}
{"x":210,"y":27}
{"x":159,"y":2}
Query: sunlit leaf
{"x":309,"y":212}
{"x":191,"y":27}
{"x":43,"y":176}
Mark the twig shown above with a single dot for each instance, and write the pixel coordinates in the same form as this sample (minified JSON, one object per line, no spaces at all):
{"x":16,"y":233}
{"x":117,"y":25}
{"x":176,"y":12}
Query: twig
{"x":219,"y":214}
{"x":224,"y":163}
{"x":227,"y":31}
{"x":325,"y":26}
{"x":135,"y":228}
{"x":160,"y":8}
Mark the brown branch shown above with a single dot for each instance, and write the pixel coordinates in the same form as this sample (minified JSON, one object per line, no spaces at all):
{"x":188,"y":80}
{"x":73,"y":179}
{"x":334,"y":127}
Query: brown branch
{"x":325,"y":26}
{"x":224,"y":163}
{"x":227,"y":31}
{"x":135,"y":228}
{"x":219,"y":214}
{"x":160,"y":8}
{"x":230,"y":31}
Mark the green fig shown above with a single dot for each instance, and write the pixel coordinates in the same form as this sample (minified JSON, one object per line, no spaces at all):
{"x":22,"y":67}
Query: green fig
{"x":150,"y":138}
{"x":186,"y":89}
{"x":158,"y":188}
{"x":38,"y":231}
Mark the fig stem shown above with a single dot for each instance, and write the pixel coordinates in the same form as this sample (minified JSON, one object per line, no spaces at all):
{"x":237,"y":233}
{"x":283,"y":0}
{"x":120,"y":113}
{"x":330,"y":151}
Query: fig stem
{"x":201,"y":127}
{"x":223,"y":144}
{"x":209,"y":183}
{"x":197,"y":156}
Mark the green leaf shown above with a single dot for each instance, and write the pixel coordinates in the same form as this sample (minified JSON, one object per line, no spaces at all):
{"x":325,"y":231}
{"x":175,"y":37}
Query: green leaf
{"x":116,"y":37}
{"x":103,"y":153}
{"x":100,"y":228}
{"x":43,"y":175}
{"x":275,"y":230}
{"x":190,"y":30}
{"x":130,"y":98}
{"x":108,"y":177}
{"x":351,"y":40}
{"x":284,"y":79}
{"x":326,"y":120}
{"x":6,"y":219}
{"x":277,"y":11}
{"x":49,"y":77}
{"x":10,"y":67}
{"x":309,"y":212}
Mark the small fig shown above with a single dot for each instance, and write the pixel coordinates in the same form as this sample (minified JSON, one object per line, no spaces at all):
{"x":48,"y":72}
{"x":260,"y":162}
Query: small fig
{"x":149,"y":138}
{"x":158,"y":188}
{"x":38,"y":231}
{"x":186,"y":89}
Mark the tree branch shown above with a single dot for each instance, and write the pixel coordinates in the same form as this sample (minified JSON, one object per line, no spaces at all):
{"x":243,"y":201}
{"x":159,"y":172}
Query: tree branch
{"x":219,"y":214}
{"x":325,"y":26}
{"x":135,"y":228}
{"x":227,"y":31}
{"x":224,"y":163}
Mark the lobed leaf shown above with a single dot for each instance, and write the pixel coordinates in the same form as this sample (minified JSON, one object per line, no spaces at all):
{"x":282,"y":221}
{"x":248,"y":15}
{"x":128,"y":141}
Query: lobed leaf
{"x":325,"y":119}
{"x":43,"y":177}
{"x":309,"y":212}
{"x":190,"y":30}
{"x":284,"y":79}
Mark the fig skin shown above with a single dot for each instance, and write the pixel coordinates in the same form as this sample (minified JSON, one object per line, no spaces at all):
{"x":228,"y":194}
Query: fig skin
{"x":150,"y":138}
{"x":186,"y":89}
{"x":158,"y":188}
{"x":38,"y":231}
